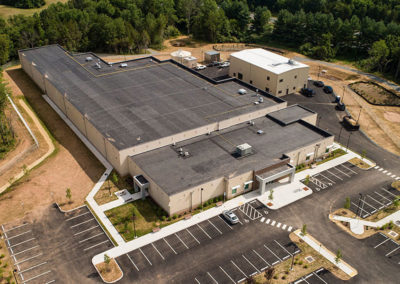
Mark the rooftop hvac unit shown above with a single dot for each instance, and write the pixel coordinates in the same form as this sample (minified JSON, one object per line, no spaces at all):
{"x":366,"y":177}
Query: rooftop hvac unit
{"x":97,"y":66}
{"x":89,"y":58}
{"x":243,"y":149}
{"x":242,"y":91}
{"x":260,"y":100}
{"x":123,"y":65}
{"x":260,"y":131}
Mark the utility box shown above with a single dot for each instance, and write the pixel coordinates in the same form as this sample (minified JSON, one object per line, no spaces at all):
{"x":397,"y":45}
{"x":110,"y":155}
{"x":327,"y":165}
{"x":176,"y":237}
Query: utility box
{"x":190,"y":61}
{"x":243,"y":150}
{"x":211,"y":56}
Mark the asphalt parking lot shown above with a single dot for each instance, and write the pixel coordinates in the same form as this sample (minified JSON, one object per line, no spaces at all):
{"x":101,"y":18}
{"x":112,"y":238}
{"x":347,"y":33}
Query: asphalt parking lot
{"x":54,"y":246}
{"x":319,"y":276}
{"x":333,"y":176}
{"x":215,"y":72}
{"x":385,"y":247}
{"x":188,"y":246}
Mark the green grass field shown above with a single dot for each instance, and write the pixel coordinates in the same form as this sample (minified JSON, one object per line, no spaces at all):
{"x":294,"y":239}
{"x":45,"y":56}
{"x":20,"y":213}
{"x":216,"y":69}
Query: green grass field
{"x":7,"y":11}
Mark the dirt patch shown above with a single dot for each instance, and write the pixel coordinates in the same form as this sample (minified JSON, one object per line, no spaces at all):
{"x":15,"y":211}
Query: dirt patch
{"x":73,"y":166}
{"x":396,"y":184}
{"x":392,"y":116}
{"x":360,"y":163}
{"x":375,"y":94}
{"x":109,"y":272}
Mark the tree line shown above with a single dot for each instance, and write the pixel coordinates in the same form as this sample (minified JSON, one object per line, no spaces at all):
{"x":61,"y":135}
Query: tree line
{"x":23,"y":4}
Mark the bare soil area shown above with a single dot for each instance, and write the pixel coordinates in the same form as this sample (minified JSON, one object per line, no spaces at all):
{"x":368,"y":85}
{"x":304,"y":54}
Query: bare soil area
{"x":360,"y":163}
{"x":376,"y":94}
{"x":109,"y":272}
{"x":72,"y":166}
{"x":392,"y":116}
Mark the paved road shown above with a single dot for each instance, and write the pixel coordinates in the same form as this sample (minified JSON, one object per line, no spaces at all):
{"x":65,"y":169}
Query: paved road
{"x":372,"y":77}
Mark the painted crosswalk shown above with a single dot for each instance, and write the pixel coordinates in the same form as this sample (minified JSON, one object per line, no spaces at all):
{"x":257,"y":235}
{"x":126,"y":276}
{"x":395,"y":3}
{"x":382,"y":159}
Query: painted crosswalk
{"x":386,"y":172}
{"x":276,"y":224}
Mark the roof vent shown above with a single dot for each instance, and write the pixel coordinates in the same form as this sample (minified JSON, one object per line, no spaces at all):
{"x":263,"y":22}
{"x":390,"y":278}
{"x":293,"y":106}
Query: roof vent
{"x":123,"y":65}
{"x":260,"y":100}
{"x":256,"y":103}
{"x":244,"y":150}
{"x":242,"y":91}
{"x":97,"y":66}
{"x":89,"y":58}
{"x":260,"y":131}
{"x":251,"y":122}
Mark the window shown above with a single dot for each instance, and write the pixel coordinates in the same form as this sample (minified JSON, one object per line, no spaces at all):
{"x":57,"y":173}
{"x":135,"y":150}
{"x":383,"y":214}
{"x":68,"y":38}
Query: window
{"x":294,"y":88}
{"x":280,"y":92}
{"x":295,"y":76}
{"x":240,"y":76}
{"x":247,"y":184}
{"x":281,"y":80}
{"x":267,"y":78}
{"x":251,"y":82}
{"x":308,"y":158}
{"x":327,"y":150}
{"x":234,"y":74}
{"x":267,"y":90}
{"x":234,"y":189}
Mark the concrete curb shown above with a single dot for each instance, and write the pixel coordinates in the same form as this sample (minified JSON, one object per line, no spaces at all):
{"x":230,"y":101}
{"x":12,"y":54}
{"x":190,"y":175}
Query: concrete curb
{"x":119,"y":267}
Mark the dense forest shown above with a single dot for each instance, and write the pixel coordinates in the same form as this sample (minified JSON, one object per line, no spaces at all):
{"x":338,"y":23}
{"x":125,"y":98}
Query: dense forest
{"x":367,"y":31}
{"x":24,"y":4}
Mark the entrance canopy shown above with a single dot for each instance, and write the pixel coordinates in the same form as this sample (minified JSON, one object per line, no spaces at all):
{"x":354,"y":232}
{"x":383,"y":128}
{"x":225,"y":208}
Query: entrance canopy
{"x":275,"y":174}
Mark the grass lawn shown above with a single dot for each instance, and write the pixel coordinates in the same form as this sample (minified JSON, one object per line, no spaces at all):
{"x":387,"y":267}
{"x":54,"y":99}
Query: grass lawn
{"x":148,"y":216}
{"x":109,"y":187}
{"x":360,"y":163}
{"x":7,"y":11}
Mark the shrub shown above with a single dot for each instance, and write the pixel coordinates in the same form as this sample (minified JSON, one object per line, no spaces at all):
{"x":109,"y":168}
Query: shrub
{"x":215,"y":200}
{"x":2,"y":256}
{"x":163,"y":218}
{"x":305,"y":266}
{"x":169,"y":219}
{"x":283,"y":277}
{"x":174,"y":216}
{"x":275,"y":276}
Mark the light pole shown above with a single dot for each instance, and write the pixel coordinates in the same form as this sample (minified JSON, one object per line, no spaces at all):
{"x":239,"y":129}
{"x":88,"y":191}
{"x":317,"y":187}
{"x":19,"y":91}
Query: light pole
{"x":134,"y":224}
{"x":201,"y":198}
{"x":358,"y":207}
{"x":319,"y":119}
{"x":340,"y":133}
{"x":319,"y":71}
{"x":15,"y":277}
{"x":294,"y":249}
{"x":359,"y":115}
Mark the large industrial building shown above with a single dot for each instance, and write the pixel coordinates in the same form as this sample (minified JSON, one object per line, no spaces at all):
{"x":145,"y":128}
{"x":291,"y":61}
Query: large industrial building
{"x":183,"y":137}
{"x":269,"y":71}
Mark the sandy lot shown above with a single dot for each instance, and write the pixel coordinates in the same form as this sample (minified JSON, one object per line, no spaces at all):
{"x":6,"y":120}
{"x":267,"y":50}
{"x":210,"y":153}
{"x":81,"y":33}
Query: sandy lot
{"x":72,"y":166}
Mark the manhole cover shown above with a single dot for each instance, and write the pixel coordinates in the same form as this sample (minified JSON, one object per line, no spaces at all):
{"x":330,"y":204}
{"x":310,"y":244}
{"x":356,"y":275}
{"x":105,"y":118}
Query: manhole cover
{"x":309,"y":259}
{"x":393,"y":234}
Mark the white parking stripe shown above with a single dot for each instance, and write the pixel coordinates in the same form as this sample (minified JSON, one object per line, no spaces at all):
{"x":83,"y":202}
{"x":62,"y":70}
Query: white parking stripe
{"x":132,"y":262}
{"x":375,"y":200}
{"x":384,"y":172}
{"x":261,"y":257}
{"x":342,"y":172}
{"x":393,"y":250}
{"x":197,"y":281}
{"x":14,"y":228}
{"x":90,"y":238}
{"x":380,"y":169}
{"x":214,"y":226}
{"x":269,"y":220}
{"x":52,"y":281}
{"x":347,"y":168}
{"x":96,"y":245}
{"x":369,"y":204}
{"x":145,"y":256}
{"x":320,"y":278}
{"x":283,"y":247}
{"x":398,"y":178}
{"x":158,"y":251}
{"x":169,"y":246}
{"x":212,"y":277}
{"x":22,"y":242}
{"x":389,"y":192}
{"x":390,"y":201}
{"x":377,"y":167}
{"x":251,"y":264}
{"x":225,"y":223}
{"x":334,"y":175}
{"x":382,"y":242}
{"x":388,"y":173}
{"x":204,"y":231}
{"x":273,"y":223}
{"x":290,"y":228}
{"x":278,"y":225}
{"x":37,"y":276}
{"x":262,"y":219}
{"x":272,"y":253}
{"x":81,"y":232}
{"x":325,"y":177}
{"x":69,"y":219}
{"x":32,"y":267}
{"x":284,"y":227}
{"x":25,"y":250}
{"x":393,"y":176}
{"x":193,"y":236}
{"x":84,"y":222}
{"x":27,"y":259}
{"x":10,"y":238}
{"x":181,"y":241}
{"x":239,"y":269}
{"x":227,"y":275}
{"x":360,"y":208}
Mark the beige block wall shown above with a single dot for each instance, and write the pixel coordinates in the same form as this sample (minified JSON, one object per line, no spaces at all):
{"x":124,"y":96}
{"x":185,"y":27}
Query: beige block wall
{"x":37,"y":77}
{"x":293,"y":81}
{"x":55,"y":95}
{"x":239,"y":181}
{"x":25,"y":64}
{"x":299,"y":156}
{"x":75,"y":116}
{"x":95,"y":137}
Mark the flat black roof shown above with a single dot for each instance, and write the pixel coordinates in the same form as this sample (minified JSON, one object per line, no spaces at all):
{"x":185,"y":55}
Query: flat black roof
{"x":211,"y":156}
{"x":144,"y":101}
{"x":290,"y":114}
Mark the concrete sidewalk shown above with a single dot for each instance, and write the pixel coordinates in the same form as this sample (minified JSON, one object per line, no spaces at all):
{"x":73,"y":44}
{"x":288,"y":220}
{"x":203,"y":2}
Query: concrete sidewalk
{"x":357,"y":225}
{"x":317,"y":246}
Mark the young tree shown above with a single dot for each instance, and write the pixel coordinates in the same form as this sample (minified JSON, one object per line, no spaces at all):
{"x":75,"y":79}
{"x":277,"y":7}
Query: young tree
{"x":347,"y":203}
{"x":363,"y":154}
{"x":107,"y":261}
{"x":68,"y":194}
{"x":269,"y":274}
{"x":304,"y":230}
{"x":338,"y":256}
{"x":271,"y":194}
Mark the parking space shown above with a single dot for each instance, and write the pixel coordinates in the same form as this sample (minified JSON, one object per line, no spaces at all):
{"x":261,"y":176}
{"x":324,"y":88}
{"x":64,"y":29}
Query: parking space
{"x":320,"y":276}
{"x":386,"y":247}
{"x":373,"y":200}
{"x":39,"y":248}
{"x":332,"y":176}
{"x":244,"y":265}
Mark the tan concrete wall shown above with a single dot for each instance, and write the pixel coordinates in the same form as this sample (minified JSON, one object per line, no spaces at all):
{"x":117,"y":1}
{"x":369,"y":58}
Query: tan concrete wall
{"x":95,"y":138}
{"x":55,"y":95}
{"x":312,"y":119}
{"x":25,"y":64}
{"x":299,"y":156}
{"x":38,"y":78}
{"x":75,"y":116}
{"x":156,"y":193}
{"x":293,"y":80}
{"x":239,"y":181}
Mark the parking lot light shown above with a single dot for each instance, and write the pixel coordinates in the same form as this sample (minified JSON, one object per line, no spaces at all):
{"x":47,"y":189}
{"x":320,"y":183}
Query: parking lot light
{"x":134,"y":224}
{"x":15,"y":277}
{"x":201,"y":198}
